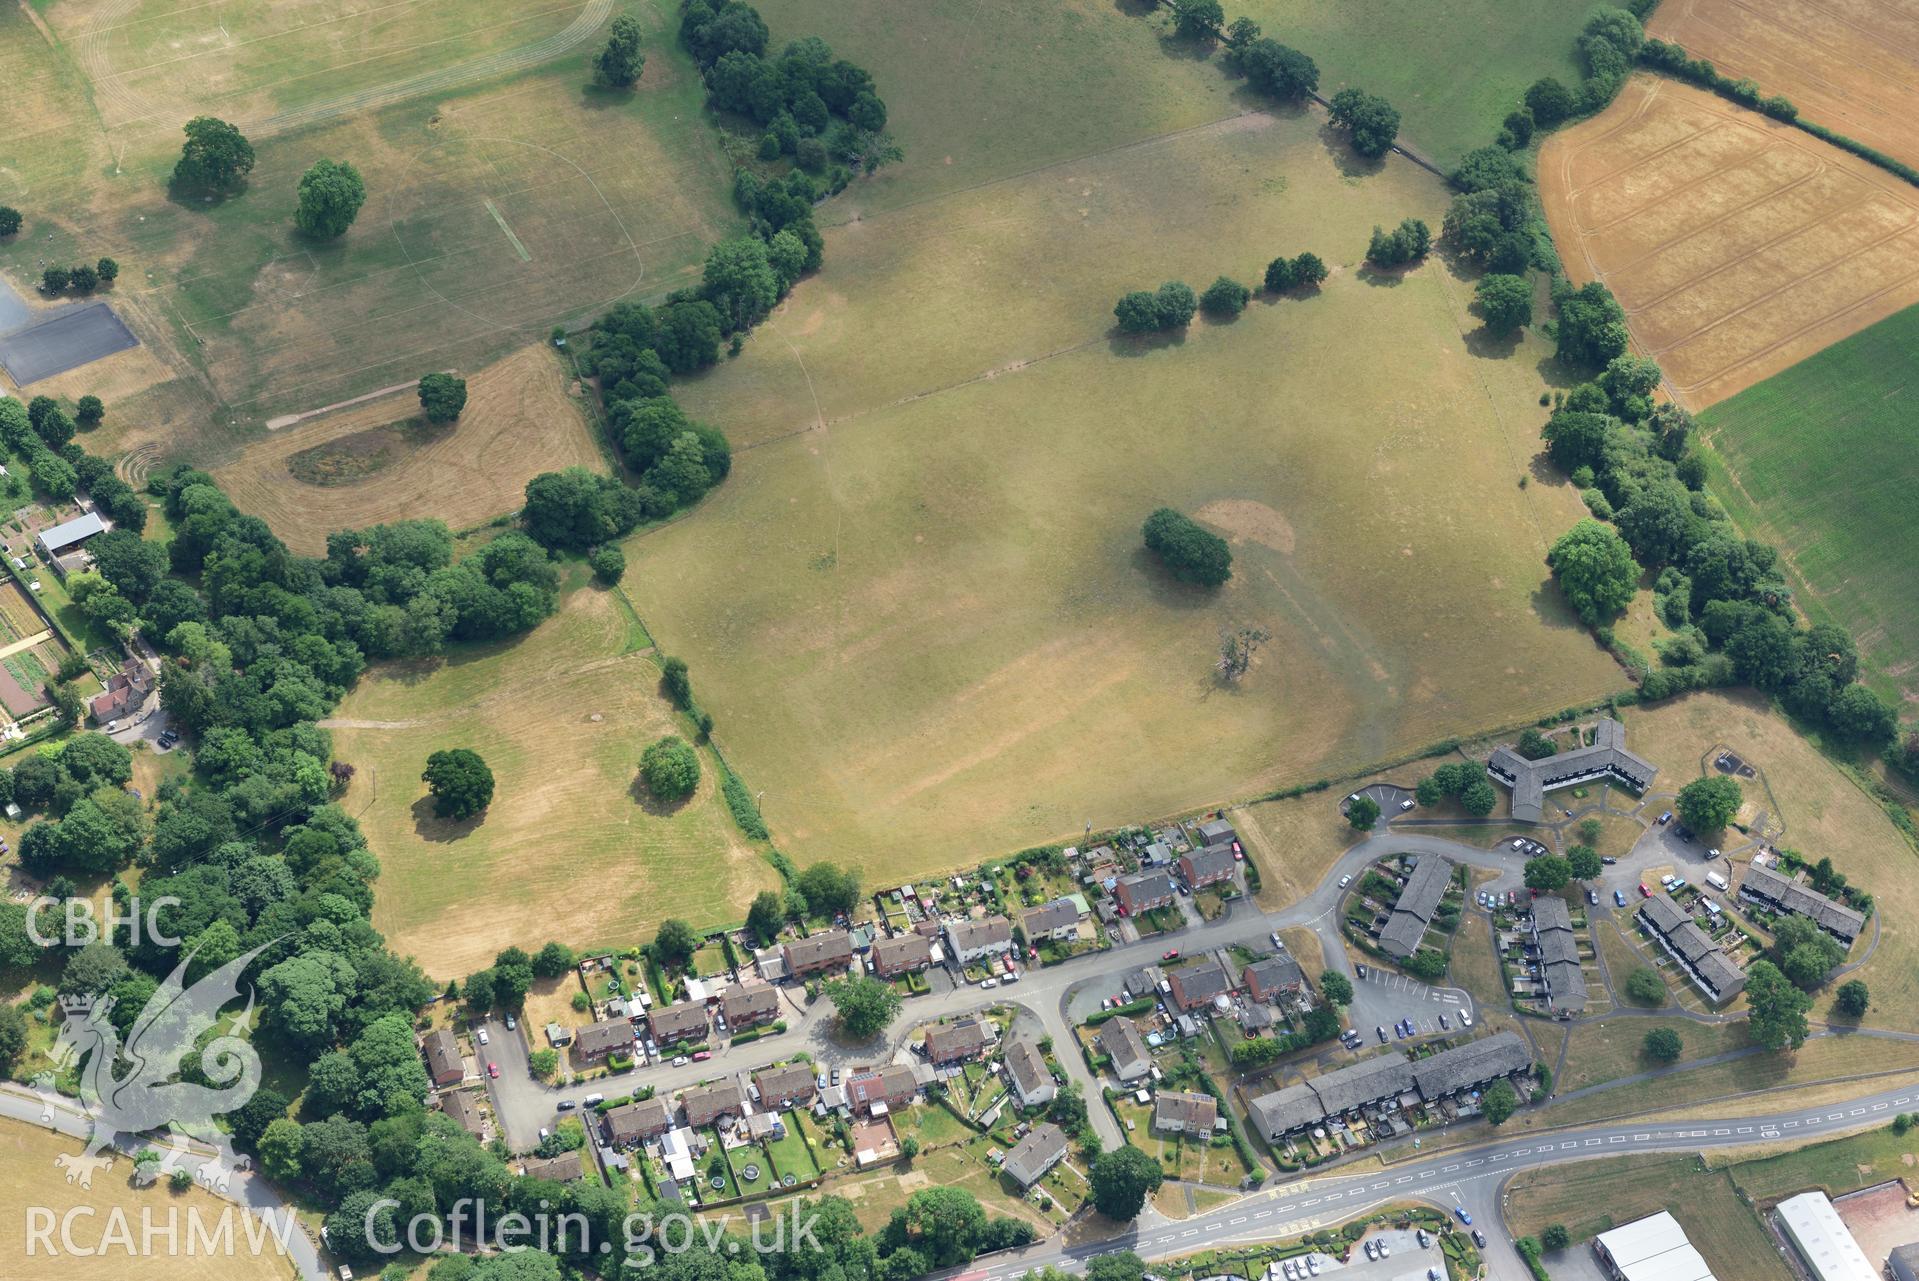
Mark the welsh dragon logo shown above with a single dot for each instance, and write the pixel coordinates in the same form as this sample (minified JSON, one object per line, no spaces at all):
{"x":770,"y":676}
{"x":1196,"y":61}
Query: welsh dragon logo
{"x":131,"y":1089}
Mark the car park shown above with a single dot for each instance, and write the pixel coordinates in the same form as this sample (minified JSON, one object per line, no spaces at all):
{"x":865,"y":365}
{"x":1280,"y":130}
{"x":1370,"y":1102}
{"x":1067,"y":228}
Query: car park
{"x":1383,"y":1038}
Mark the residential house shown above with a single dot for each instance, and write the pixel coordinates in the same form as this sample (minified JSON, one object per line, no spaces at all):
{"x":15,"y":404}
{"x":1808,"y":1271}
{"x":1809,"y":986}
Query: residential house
{"x":1383,"y":1080}
{"x":1472,"y":1066}
{"x":902,"y":954}
{"x":783,"y":1087}
{"x":443,"y":1064}
{"x":976,"y":940}
{"x":955,"y":1042}
{"x":705,"y":1104}
{"x":1710,"y":969}
{"x":682,"y":1021}
{"x":1208,"y":866}
{"x":1780,"y":893}
{"x":1144,"y":891}
{"x":596,"y":1041}
{"x":460,"y":1105}
{"x":1419,"y":900}
{"x":1057,"y":920}
{"x":885,"y":1090}
{"x":1180,"y":1112}
{"x":1272,"y":978}
{"x":1043,"y":1148}
{"x":1558,"y":954}
{"x":749,"y":1005}
{"x":1606,"y":757}
{"x":818,"y":953}
{"x":564,"y":1168}
{"x":632,"y":1123}
{"x":1026,"y":1070}
{"x":1121,"y":1042}
{"x":1194,"y":986}
{"x":126,"y":690}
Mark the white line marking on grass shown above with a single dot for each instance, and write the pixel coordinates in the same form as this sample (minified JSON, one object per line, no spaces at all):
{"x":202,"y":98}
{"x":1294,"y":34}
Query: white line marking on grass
{"x":500,"y":218}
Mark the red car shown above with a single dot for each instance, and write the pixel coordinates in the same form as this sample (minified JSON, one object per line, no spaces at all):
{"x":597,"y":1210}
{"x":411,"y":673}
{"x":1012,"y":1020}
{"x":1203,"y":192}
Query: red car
{"x":493,"y":1070}
{"x":703,"y":1056}
{"x":1643,"y":891}
{"x":1171,"y":956}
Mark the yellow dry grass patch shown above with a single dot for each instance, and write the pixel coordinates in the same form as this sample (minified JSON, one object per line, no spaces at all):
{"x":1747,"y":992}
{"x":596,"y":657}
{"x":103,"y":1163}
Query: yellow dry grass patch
{"x":522,"y":417}
{"x":1824,"y":812}
{"x":27,"y":1153}
{"x":1736,"y":244}
{"x":571,"y":848}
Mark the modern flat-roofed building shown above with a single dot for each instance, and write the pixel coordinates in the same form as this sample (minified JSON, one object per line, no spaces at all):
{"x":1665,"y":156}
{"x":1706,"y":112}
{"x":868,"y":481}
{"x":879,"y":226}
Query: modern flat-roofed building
{"x":1605,"y":757}
{"x":1821,"y":1239}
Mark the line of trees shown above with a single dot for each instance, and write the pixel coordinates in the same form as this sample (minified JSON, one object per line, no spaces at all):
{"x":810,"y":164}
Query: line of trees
{"x":81,"y":279}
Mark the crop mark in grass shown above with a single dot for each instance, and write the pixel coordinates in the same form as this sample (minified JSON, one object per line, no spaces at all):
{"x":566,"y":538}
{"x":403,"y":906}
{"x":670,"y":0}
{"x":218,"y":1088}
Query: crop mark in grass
{"x":500,"y":218}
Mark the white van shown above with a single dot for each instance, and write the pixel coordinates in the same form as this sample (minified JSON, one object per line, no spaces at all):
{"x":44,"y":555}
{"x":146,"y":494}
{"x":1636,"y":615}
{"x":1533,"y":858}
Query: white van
{"x":592,"y":1100}
{"x":1717,"y":881}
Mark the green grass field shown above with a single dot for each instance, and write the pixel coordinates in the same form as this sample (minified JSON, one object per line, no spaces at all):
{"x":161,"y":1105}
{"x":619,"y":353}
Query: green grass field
{"x":570,"y":847}
{"x":937,"y":633}
{"x":1819,"y":461}
{"x":1836,"y":1167}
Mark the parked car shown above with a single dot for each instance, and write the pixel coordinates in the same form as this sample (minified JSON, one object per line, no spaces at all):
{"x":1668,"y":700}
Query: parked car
{"x":1479,"y":1238}
{"x":702,"y":1056}
{"x":836,"y":1076}
{"x":1425,"y":1238}
{"x":1665,"y":818}
{"x":1465,"y":1018}
{"x":1619,"y":898}
{"x":594,"y":1100}
{"x":1184,"y":890}
{"x":1406,"y":804}
{"x":1344,"y":881}
{"x":1278,"y":942}
{"x":1444,"y":1024}
{"x":1643,"y":891}
{"x":1592,"y":896}
{"x":1372,"y":1249}
{"x":565,"y":1105}
{"x":1383,"y":1038}
{"x":1712,"y":853}
{"x":1608,"y":860}
{"x":482,"y":1037}
{"x":821,"y":1081}
{"x":1385,"y":1251}
{"x":1360,"y":970}
{"x":511,"y":1023}
{"x":1171,"y":954}
{"x":493,"y":1070}
{"x":986,"y":984}
{"x":680,"y":1060}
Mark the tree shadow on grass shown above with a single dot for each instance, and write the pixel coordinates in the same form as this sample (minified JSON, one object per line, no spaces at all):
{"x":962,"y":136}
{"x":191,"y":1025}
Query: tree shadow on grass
{"x":598,"y":97}
{"x":1136,"y":8}
{"x":1122,"y":343}
{"x":199,"y":199}
{"x":1383,"y":277}
{"x":429,"y":826}
{"x":1488,"y":345}
{"x":1166,"y":589}
{"x":1551,"y":609}
{"x":1188,"y":48}
{"x":1349,"y":162}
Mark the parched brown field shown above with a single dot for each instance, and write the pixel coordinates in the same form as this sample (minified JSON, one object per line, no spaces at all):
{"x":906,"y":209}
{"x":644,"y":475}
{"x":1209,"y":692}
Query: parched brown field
{"x":1851,"y":65}
{"x":570,"y":848}
{"x":520,"y":420}
{"x":1736,"y":244}
{"x":27,"y":1152}
{"x":919,"y":610}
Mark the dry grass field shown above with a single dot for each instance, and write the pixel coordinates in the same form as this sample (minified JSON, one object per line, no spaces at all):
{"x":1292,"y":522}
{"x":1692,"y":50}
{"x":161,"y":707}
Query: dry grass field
{"x":571,"y":847}
{"x":1824,"y":813}
{"x":1590,"y":1197}
{"x":1737,"y":245}
{"x":379,"y":461}
{"x":939,"y":635}
{"x":1851,"y":65}
{"x":27,"y":1152}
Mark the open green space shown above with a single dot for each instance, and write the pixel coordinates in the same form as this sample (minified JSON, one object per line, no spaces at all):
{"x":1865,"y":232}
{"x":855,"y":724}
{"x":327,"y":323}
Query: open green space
{"x":1835,"y":1168}
{"x":1818,"y":460}
{"x":936,"y":609}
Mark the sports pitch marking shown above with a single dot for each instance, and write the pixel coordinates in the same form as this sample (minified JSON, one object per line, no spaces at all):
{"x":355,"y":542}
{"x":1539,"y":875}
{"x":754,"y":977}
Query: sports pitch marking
{"x":500,"y":218}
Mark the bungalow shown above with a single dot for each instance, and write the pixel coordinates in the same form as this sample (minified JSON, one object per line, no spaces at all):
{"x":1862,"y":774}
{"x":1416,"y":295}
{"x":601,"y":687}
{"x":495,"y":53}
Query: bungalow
{"x":707,"y":1103}
{"x":564,"y":1168}
{"x":789,"y":1086}
{"x":681,"y":1021}
{"x":1144,"y":891}
{"x":903,"y":954}
{"x":1043,"y":1148}
{"x":955,"y":1042}
{"x":597,"y":1040}
{"x":818,"y":953}
{"x":1178,"y":1112}
{"x":749,"y":1005}
{"x":1194,"y":986}
{"x":1057,"y":920}
{"x":1272,"y":978}
{"x":886,"y":1090}
{"x":632,"y":1123}
{"x":443,"y":1063}
{"x":977,"y":940}
{"x":1026,"y":1069}
{"x":1206,"y":867}
{"x":1121,"y":1041}
{"x":459,"y":1105}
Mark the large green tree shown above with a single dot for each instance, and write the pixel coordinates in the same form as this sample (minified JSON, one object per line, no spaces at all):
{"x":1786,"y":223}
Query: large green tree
{"x":944,"y":1224}
{"x":1595,"y":570}
{"x":1371,"y":123}
{"x":1505,"y":302}
{"x":863,"y":1005}
{"x":1499,"y":1101}
{"x":442,"y":397}
{"x":1191,"y":553}
{"x":1662,"y":1045}
{"x":675,"y":944}
{"x":620,"y":63}
{"x":331,"y":194}
{"x":460,"y":782}
{"x":1548,"y":873}
{"x":1707,"y":804}
{"x":215,"y":159}
{"x":671,"y":768}
{"x":1122,"y":1180}
{"x":1778,"y":1019}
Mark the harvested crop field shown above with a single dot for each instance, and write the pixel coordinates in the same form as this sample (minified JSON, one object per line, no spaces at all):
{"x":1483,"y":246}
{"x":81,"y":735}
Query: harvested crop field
{"x":1818,"y":460}
{"x":380,"y":461}
{"x":939,"y":635}
{"x":1736,"y":244}
{"x":1851,"y":65}
{"x":570,"y":847}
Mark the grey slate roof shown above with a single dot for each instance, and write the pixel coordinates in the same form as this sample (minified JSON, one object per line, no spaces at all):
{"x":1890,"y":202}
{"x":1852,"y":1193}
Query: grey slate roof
{"x":1467,"y":1066}
{"x":1027,"y":1067}
{"x":954,"y":1041}
{"x":1147,"y":887}
{"x":991,"y":931}
{"x":1418,"y":900}
{"x":680,"y":1021}
{"x":1531,"y":780}
{"x":704,"y":1103}
{"x":1214,"y":863}
{"x":1041,"y":921}
{"x":750,"y":1002}
{"x":1377,"y":1079}
{"x":1195,"y":985}
{"x":57,"y":538}
{"x":1218,"y":832}
{"x":564,"y":1168}
{"x":607,"y":1036}
{"x":830,"y":947}
{"x":902,"y":953}
{"x":1349,"y":1088}
{"x":442,"y":1055}
{"x":1769,"y":886}
{"x":793,"y":1083}
{"x":1709,"y":967}
{"x":1043,"y":1148}
{"x":1272,"y":974}
{"x":631,"y":1122}
{"x":1194,"y":1111}
{"x":1122,"y":1042}
{"x":1559,"y":954}
{"x":1294,"y":1108}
